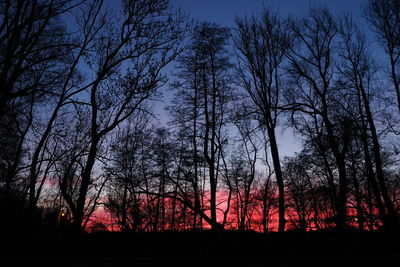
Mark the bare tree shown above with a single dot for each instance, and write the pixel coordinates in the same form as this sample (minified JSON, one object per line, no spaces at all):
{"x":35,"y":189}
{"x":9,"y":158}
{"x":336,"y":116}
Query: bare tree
{"x":35,"y":52}
{"x":244,"y":162}
{"x":384,"y":16}
{"x":32,"y":42}
{"x":301,"y":188}
{"x":124,"y":171}
{"x":205,"y":70}
{"x":66,"y":88}
{"x":126,"y":59}
{"x":358,"y":70}
{"x":261,"y":44}
{"x":312,"y":70}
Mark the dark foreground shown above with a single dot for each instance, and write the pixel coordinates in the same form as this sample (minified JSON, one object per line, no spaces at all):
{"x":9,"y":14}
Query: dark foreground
{"x":205,"y":248}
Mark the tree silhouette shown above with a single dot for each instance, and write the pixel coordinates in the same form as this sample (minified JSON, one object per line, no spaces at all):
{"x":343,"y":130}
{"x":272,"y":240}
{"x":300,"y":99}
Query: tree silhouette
{"x":82,"y":148}
{"x":384,"y":18}
{"x":261,"y":44}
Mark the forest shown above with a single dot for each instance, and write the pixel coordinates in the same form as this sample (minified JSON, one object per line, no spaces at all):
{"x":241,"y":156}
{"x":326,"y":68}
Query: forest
{"x":83,"y":150}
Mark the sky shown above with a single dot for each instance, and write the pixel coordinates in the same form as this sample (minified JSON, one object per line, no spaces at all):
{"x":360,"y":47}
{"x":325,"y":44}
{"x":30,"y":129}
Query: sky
{"x":224,"y":12}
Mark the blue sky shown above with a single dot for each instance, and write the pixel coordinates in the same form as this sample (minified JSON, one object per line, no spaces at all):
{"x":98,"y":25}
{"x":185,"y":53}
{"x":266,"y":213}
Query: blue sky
{"x":223,"y":12}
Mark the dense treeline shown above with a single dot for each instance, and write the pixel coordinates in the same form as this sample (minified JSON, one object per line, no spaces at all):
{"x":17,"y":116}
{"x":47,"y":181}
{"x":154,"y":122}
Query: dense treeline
{"x":82,"y":150}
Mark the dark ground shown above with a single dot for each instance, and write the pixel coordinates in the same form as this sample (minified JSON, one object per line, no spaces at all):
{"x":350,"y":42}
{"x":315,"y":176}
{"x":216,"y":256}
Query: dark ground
{"x":207,"y":248}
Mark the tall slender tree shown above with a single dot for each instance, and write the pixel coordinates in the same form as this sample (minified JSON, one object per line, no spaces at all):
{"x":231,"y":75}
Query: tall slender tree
{"x":358,"y":69}
{"x":205,"y":87}
{"x":312,"y":68}
{"x":261,"y":44}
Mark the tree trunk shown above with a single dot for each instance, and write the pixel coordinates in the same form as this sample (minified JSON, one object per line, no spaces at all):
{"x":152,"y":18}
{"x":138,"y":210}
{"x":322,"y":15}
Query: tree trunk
{"x":195,"y":161}
{"x":395,"y":79}
{"x":124,"y":208}
{"x":279,"y":178}
{"x":86,"y":178}
{"x":357,"y":195}
{"x":392,"y":220}
{"x":341,"y":165}
{"x":368,"y":165}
